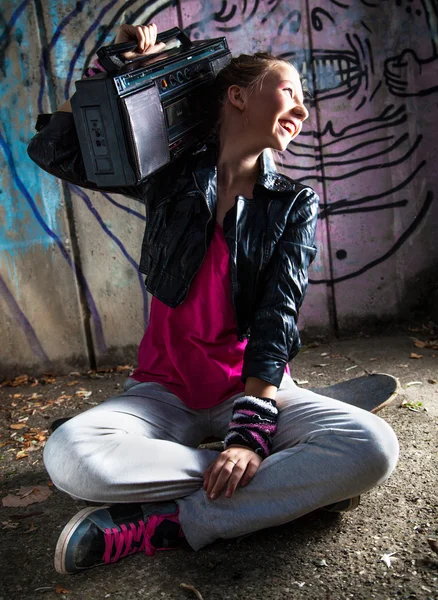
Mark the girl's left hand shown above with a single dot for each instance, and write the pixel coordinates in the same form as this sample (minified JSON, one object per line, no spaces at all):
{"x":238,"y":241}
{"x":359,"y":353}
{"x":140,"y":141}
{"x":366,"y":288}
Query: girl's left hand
{"x":234,"y":465}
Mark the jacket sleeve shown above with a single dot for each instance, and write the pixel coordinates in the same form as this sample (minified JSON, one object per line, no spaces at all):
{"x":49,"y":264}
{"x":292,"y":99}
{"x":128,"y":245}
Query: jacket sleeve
{"x":55,"y":148}
{"x":274,"y":338}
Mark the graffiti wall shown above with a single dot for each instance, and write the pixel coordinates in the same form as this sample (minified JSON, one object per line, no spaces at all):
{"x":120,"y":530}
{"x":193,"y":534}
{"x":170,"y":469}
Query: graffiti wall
{"x":70,"y":291}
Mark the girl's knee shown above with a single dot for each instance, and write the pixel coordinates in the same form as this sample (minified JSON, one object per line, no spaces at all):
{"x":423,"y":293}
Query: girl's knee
{"x":383,"y":450}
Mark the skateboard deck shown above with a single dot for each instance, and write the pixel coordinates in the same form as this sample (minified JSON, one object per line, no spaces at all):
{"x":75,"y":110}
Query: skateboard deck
{"x":370,"y":392}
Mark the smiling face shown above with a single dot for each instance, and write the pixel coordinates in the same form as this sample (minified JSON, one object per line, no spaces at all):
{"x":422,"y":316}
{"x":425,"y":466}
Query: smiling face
{"x":274,"y":113}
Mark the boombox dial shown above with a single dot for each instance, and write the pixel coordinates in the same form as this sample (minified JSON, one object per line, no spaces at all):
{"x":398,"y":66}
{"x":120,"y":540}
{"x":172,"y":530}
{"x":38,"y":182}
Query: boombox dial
{"x":182,"y":76}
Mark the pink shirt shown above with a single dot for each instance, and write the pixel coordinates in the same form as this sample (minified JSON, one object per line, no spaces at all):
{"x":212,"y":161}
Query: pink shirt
{"x":193,"y":349}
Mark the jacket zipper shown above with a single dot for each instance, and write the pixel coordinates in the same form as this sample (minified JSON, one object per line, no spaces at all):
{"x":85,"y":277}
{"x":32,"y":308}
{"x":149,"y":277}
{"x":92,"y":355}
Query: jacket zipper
{"x":240,"y":335}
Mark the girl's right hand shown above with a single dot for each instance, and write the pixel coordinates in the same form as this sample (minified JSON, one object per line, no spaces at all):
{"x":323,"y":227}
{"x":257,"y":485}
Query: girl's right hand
{"x":144,"y":35}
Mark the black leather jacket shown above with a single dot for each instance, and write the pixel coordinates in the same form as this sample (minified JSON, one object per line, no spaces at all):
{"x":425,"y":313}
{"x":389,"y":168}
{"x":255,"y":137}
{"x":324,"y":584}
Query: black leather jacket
{"x":270,"y":238}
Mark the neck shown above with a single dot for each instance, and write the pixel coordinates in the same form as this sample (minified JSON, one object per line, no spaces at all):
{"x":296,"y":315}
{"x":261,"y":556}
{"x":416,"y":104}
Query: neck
{"x":237,"y":163}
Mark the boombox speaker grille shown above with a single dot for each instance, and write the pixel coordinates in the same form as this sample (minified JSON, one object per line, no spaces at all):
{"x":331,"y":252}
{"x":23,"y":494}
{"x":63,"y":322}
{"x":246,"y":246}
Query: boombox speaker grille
{"x":145,"y":121}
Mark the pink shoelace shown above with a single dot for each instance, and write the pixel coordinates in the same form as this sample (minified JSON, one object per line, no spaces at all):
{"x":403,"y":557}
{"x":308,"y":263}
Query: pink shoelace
{"x":128,"y":539}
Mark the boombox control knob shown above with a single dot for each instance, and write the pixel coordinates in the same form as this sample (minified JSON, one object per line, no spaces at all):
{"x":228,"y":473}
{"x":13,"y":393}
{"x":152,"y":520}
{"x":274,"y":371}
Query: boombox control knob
{"x":172,"y":80}
{"x":180,"y":77}
{"x":187,"y":73}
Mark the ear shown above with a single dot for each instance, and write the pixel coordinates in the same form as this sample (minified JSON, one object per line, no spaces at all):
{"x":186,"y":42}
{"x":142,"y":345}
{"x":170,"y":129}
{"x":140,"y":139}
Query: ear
{"x":237,"y":97}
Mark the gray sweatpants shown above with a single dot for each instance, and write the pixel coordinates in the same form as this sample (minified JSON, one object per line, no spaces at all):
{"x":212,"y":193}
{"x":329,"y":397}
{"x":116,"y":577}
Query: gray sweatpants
{"x":142,"y":447}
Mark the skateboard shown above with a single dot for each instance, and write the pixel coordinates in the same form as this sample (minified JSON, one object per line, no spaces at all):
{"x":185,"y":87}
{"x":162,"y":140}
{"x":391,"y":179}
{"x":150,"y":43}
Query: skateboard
{"x":370,"y":392}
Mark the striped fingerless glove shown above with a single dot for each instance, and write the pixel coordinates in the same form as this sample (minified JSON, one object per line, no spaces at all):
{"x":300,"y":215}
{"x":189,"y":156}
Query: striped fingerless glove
{"x":253,"y":424}
{"x":97,"y":67}
{"x":93,"y":70}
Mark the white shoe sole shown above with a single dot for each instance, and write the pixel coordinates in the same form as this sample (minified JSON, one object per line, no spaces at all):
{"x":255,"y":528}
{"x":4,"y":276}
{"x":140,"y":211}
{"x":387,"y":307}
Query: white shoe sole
{"x":66,"y":534}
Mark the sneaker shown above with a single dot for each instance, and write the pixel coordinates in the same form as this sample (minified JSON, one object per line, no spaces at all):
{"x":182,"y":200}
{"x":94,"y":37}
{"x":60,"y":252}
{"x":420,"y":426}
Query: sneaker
{"x":103,"y":535}
{"x":343,"y":505}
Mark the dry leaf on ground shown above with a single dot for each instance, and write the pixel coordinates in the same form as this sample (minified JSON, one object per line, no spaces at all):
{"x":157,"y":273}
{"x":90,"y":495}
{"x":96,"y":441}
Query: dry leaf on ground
{"x":432,"y":344}
{"x":32,"y":527}
{"x":61,"y":590}
{"x":83,"y":393}
{"x":27,"y":495}
{"x":10,"y":525}
{"x":186,"y":586}
{"x":18,"y":426}
{"x":21,"y":454}
{"x":414,"y":355}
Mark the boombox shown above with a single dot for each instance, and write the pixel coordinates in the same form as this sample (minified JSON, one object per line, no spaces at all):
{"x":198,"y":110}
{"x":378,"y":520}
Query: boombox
{"x":142,"y":114}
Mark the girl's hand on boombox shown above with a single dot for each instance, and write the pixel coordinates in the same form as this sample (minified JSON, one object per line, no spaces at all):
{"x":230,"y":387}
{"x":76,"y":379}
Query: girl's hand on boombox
{"x":144,"y":35}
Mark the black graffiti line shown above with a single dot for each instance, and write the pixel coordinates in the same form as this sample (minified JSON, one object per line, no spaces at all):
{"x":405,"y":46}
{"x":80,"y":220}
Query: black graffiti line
{"x":369,"y":4}
{"x":375,"y":90}
{"x":340,"y":4}
{"x":325,"y":95}
{"x":236,"y":27}
{"x":347,"y":137}
{"x":344,"y":202}
{"x":365,"y":199}
{"x":349,"y":55}
{"x":396,"y":144}
{"x":396,"y":79}
{"x":351,"y":94}
{"x":361,"y":103}
{"x":366,"y":27}
{"x":364,"y":209}
{"x":401,"y":240}
{"x":316,"y":19}
{"x":426,"y":92}
{"x":160,"y":9}
{"x":345,"y":163}
{"x":220,"y":17}
{"x":273,"y":9}
{"x":367,"y":168}
{"x":287,"y":19}
{"x":382,"y":117}
{"x":353,"y":47}
{"x":431,"y":27}
{"x":370,"y":54}
{"x":366,"y":131}
{"x":358,"y":40}
{"x":318,"y":156}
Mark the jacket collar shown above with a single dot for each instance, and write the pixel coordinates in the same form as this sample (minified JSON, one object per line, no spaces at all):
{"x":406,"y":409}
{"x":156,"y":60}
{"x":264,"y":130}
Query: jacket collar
{"x":269,"y":178}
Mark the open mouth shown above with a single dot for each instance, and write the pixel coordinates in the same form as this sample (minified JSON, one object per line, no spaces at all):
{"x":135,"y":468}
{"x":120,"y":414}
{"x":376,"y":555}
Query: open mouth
{"x":287,"y":126}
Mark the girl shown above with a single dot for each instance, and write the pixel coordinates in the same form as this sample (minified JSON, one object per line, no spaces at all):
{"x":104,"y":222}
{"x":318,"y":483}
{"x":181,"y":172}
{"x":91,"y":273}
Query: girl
{"x":227,"y":246}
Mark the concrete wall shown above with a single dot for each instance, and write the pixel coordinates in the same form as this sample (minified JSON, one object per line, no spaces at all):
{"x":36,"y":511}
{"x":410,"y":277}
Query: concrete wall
{"x":70,"y":292}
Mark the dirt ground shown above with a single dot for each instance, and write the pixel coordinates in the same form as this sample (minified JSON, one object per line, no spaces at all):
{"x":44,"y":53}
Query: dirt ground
{"x":380,"y":551}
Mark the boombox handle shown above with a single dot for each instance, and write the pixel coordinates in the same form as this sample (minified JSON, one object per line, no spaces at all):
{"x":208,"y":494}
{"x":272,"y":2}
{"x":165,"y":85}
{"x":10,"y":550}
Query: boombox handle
{"x":106,"y":52}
